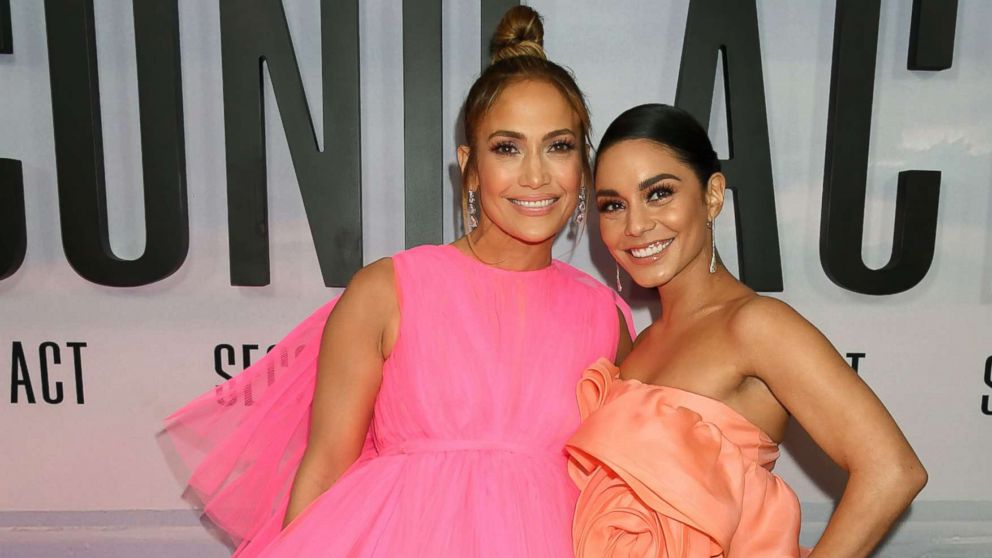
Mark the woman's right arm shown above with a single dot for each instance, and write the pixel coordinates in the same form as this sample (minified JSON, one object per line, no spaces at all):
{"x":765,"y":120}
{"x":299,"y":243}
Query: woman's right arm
{"x":357,"y":338}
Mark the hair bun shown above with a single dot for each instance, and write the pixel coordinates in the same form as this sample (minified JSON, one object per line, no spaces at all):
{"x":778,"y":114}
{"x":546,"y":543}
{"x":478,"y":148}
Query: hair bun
{"x":519,"y":33}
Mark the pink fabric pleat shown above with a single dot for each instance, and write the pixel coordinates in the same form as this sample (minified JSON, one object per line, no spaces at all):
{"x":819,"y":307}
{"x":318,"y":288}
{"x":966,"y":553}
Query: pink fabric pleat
{"x":465,"y":454}
{"x":241,"y":442}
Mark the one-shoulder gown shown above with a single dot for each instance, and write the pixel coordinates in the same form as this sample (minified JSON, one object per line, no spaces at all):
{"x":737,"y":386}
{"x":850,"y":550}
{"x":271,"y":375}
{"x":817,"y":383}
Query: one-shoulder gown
{"x":465,"y":455}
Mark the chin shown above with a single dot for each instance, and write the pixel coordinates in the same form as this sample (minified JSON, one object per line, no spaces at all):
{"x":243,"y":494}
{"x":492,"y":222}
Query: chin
{"x":535,"y":237}
{"x":652,"y":283}
{"x":537,"y":233}
{"x":649,"y":279}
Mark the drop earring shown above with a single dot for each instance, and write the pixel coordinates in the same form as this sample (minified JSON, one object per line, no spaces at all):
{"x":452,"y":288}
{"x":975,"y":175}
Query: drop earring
{"x":619,"y":284}
{"x":580,"y":208}
{"x":709,"y":225}
{"x":472,"y":209}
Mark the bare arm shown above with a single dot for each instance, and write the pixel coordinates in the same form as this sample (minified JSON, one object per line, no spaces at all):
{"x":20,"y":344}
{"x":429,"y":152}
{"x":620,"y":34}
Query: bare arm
{"x":349,"y":372}
{"x":625,"y":343}
{"x":842,"y":415}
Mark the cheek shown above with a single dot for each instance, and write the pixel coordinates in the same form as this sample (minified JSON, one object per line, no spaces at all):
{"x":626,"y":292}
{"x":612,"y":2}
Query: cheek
{"x":493,"y":176}
{"x":568,"y":174}
{"x":611,"y":231}
{"x":680,"y":218}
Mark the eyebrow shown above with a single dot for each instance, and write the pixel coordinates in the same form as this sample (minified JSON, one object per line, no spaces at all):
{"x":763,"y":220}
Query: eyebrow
{"x":643,"y":185}
{"x":518,"y":135}
{"x":648,"y":182}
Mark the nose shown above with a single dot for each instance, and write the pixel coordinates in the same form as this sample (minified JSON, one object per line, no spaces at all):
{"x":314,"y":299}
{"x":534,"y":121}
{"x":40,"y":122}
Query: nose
{"x":638,"y":221}
{"x":534,"y":174}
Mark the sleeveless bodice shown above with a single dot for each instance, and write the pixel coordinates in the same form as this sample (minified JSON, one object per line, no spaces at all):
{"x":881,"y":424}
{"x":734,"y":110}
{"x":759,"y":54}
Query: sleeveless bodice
{"x":488,"y":355}
{"x":464,"y":455}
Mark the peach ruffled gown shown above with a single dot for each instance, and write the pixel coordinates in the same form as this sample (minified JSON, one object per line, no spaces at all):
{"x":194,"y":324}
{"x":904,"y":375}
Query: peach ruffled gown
{"x":465,"y":453}
{"x":665,"y":473}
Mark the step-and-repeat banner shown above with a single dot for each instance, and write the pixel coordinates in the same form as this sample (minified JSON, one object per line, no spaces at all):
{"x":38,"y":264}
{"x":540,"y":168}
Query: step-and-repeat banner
{"x":183,"y":181}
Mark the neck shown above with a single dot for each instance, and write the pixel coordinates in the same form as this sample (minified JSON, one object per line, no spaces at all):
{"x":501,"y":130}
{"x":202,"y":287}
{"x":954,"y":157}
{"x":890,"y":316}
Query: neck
{"x":693,"y":289}
{"x":496,"y":248}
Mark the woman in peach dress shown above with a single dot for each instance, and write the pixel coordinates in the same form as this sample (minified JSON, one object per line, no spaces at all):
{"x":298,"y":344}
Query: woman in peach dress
{"x":675,"y":453}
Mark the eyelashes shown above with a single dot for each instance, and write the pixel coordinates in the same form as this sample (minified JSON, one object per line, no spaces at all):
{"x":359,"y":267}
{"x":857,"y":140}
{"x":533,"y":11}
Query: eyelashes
{"x":609,"y":206}
{"x":655,"y":194}
{"x":562,"y":145}
{"x":503,"y":148}
{"x":659,"y":192}
{"x":506,"y":147}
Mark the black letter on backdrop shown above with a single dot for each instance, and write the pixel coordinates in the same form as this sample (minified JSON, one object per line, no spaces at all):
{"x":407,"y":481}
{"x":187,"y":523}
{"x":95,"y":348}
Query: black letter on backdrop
{"x":13,"y":234}
{"x":931,"y":36}
{"x":77,"y":363}
{"x":43,"y":363}
{"x":422,"y":119}
{"x":246,"y":351}
{"x":219,"y":362}
{"x":845,"y":175}
{"x":986,"y":406}
{"x":79,"y":143}
{"x":730,"y":27}
{"x":6,"y":38}
{"x":19,"y":375}
{"x":856,"y":359}
{"x":256,"y":31}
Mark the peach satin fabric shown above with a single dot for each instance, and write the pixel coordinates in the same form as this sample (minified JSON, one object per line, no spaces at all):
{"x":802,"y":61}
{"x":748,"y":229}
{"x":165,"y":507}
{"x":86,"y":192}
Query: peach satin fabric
{"x":668,"y":473}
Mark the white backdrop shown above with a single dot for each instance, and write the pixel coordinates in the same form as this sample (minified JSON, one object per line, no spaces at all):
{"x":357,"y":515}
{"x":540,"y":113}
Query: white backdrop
{"x":150,"y":349}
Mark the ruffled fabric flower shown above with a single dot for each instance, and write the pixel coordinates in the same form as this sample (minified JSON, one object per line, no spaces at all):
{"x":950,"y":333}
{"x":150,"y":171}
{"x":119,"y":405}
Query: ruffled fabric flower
{"x":660,"y":480}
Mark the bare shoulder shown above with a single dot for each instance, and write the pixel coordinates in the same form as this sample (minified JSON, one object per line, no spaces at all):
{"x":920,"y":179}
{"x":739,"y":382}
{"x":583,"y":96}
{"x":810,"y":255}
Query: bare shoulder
{"x":368,"y":310}
{"x":371,"y":291}
{"x":758,"y":315}
{"x":774,"y":338}
{"x":761,"y":323}
{"x":373,"y":284}
{"x":377,"y":274}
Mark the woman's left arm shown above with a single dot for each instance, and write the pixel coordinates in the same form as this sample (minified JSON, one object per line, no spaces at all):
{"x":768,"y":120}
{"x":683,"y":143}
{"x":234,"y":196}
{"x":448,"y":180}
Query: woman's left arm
{"x":624,"y":342}
{"x":842,"y":415}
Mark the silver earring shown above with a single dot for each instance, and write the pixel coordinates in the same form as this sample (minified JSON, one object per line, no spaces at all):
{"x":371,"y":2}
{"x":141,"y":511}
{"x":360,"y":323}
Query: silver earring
{"x":473,"y":221}
{"x":619,"y":284}
{"x":709,"y":225}
{"x":580,"y":208}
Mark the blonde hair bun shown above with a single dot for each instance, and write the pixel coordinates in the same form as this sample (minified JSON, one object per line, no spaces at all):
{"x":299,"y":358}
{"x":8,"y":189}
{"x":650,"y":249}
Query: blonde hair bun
{"x":520,"y":33}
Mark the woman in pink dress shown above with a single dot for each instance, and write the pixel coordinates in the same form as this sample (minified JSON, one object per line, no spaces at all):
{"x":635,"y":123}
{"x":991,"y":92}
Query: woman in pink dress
{"x":675,"y":453}
{"x":425,"y":411}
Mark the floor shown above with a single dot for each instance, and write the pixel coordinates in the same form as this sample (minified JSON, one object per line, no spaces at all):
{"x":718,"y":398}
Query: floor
{"x":934,"y":532}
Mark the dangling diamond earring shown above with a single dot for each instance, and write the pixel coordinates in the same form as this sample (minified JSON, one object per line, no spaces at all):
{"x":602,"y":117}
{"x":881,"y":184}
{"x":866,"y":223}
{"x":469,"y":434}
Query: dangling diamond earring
{"x":473,"y":221}
{"x":619,"y":285}
{"x":580,"y":208}
{"x":709,"y":225}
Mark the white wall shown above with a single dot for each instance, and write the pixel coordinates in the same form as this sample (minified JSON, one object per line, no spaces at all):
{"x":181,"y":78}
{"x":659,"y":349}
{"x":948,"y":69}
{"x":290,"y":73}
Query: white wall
{"x":151,"y":348}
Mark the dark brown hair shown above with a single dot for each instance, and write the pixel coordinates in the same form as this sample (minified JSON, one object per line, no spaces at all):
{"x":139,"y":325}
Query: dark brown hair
{"x":669,"y":127}
{"x":517,"y":54}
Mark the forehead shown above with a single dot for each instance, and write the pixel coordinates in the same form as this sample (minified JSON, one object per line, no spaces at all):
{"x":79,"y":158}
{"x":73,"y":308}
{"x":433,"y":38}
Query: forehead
{"x":530,"y":105}
{"x":630,"y":161}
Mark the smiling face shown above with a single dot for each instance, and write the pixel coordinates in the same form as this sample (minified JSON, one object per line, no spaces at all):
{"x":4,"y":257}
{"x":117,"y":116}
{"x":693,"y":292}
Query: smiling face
{"x":526,"y":164}
{"x":653,"y":211}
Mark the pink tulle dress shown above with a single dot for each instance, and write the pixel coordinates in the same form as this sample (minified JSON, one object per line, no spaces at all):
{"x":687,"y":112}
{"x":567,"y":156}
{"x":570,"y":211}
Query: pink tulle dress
{"x":465,"y":455}
{"x":666,"y":473}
